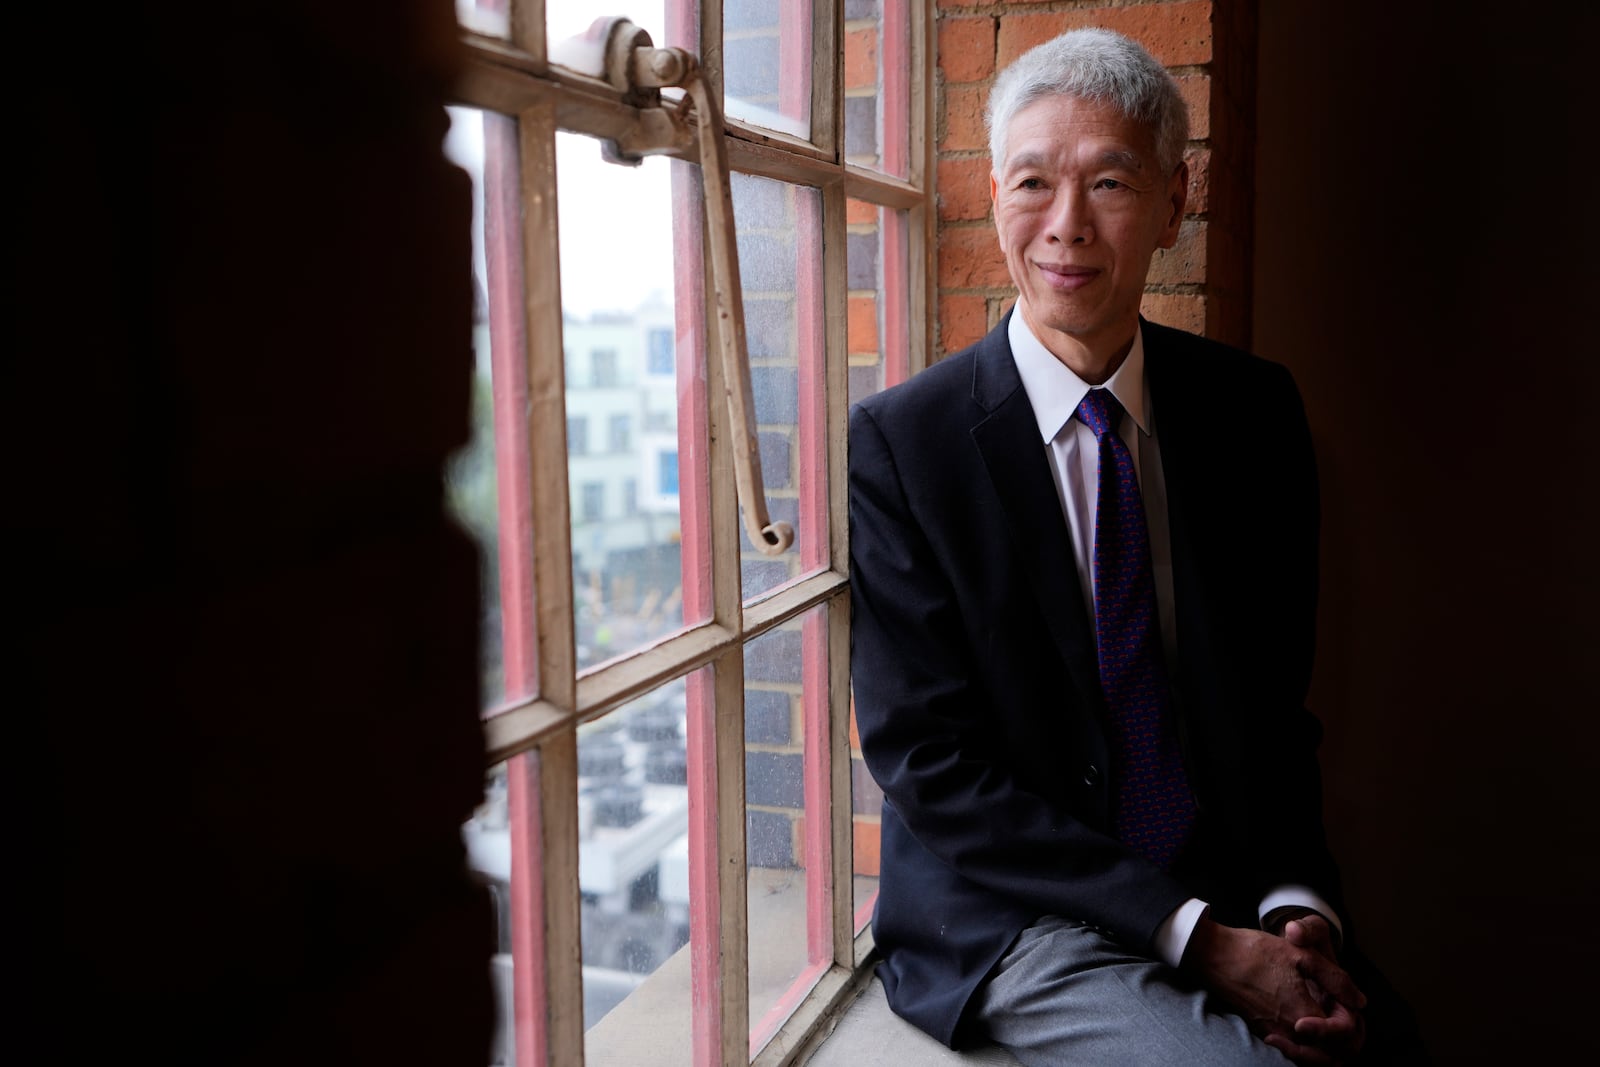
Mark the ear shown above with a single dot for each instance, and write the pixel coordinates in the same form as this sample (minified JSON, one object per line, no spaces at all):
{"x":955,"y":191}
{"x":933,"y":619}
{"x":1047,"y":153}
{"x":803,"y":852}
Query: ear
{"x":1178,"y":197}
{"x":994,"y":189}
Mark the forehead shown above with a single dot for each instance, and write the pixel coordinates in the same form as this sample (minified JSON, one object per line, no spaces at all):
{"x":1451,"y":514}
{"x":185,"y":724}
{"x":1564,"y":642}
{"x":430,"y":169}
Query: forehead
{"x":1060,"y":127}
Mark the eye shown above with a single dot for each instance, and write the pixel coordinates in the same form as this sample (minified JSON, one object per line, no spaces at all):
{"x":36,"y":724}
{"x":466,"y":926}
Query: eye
{"x":1031,"y":184}
{"x":1110,"y":183}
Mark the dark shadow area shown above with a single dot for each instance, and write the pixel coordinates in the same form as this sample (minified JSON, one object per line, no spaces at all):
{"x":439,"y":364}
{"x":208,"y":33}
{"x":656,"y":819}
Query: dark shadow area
{"x":1425,"y":240}
{"x":242,"y":650}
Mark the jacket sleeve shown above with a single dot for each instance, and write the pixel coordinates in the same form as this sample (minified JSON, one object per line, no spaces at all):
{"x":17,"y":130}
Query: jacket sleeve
{"x":928,"y":736}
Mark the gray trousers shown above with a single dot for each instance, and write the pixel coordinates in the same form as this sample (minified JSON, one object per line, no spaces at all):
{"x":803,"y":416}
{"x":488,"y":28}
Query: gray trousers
{"x":1065,"y":993}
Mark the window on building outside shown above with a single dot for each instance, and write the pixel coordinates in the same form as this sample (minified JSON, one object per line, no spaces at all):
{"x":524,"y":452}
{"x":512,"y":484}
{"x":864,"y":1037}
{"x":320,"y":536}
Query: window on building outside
{"x":594,"y":502}
{"x":659,"y":356}
{"x":619,"y":433}
{"x":667,"y":474}
{"x":676,"y":823}
{"x":603,"y":364}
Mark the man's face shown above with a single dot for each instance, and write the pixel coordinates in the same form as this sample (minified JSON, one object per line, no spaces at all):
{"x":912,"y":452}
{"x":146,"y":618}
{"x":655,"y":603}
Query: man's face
{"x":1081,"y":206}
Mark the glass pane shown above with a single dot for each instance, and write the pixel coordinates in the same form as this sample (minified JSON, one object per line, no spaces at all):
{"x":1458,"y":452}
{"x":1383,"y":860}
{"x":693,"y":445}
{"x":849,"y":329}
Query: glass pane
{"x":877,"y":78}
{"x":786,"y":817}
{"x":627,"y":332}
{"x":866,"y":808}
{"x":633,"y":869}
{"x":780,"y":269}
{"x":485,"y":16}
{"x":567,"y":19}
{"x":767,"y":63}
{"x":485,"y":479}
{"x":878,"y":315}
{"x":502,"y":826}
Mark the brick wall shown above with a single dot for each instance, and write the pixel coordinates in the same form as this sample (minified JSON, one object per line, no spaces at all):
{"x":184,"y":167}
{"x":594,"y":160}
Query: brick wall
{"x":1202,"y":284}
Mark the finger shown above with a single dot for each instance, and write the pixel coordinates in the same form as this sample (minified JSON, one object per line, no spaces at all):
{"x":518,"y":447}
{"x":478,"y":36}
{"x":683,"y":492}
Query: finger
{"x":1311,"y":931}
{"x":1333,"y":979}
{"x":1336,"y":1027}
{"x":1342,"y":1030}
{"x":1303,"y":1054}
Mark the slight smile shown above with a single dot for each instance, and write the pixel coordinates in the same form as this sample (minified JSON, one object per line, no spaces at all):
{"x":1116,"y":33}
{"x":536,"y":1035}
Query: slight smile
{"x":1065,"y":277}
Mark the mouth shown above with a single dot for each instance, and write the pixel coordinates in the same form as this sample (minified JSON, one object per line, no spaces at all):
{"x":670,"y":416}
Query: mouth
{"x":1065,"y":277}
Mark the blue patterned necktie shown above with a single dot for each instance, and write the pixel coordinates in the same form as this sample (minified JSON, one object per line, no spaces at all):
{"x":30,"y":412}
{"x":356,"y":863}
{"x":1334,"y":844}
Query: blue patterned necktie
{"x":1154,"y":807}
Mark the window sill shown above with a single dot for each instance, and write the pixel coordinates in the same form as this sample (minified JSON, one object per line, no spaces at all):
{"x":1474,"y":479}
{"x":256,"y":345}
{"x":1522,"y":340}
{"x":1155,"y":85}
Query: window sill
{"x":652,"y":1026}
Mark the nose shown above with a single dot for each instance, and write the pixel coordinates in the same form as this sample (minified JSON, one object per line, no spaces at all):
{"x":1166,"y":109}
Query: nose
{"x":1070,"y":222}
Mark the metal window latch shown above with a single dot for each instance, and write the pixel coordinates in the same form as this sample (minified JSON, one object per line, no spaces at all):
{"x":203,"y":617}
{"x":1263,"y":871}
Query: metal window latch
{"x":621,"y":54}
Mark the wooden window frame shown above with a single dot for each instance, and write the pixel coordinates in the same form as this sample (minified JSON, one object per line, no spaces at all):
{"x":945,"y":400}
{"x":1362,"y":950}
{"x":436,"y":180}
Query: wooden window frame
{"x":535,"y":733}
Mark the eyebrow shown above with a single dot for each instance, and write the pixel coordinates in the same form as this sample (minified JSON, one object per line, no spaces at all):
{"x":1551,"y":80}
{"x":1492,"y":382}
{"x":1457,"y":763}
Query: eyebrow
{"x":1025,"y":160}
{"x":1121,"y":158}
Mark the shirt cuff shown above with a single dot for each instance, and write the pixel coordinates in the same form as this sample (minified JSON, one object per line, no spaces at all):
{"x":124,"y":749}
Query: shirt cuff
{"x":1172,"y":936}
{"x":1301,"y":897}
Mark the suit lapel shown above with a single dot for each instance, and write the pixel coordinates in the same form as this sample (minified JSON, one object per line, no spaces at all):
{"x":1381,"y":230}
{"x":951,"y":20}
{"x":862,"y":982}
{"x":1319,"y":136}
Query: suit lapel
{"x":1007,"y":436}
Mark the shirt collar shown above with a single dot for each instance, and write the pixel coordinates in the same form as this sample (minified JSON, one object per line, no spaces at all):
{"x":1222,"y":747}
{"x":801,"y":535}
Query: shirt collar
{"x":1055,"y":391}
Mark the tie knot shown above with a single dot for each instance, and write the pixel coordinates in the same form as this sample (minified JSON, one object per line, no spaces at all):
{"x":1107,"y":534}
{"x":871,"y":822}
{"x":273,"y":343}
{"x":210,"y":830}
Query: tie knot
{"x":1099,"y":411}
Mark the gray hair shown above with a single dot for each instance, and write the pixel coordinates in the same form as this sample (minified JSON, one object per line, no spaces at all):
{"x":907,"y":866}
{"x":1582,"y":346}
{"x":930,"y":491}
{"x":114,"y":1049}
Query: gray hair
{"x":1095,"y":65}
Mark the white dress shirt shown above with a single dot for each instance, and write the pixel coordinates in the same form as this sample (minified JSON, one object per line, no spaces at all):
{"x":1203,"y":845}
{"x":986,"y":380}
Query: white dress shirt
{"x":1054,"y":392}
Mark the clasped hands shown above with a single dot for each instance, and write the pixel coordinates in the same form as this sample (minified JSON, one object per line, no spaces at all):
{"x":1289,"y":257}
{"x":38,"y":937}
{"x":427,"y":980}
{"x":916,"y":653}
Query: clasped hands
{"x":1289,"y":989}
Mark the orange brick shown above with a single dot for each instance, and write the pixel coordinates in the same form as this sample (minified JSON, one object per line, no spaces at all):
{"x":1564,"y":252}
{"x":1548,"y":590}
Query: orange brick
{"x":969,"y":258}
{"x":867,"y":841}
{"x":855,"y":737}
{"x":964,"y":188}
{"x":1199,"y":160}
{"x":862,"y":324}
{"x":1183,"y":262}
{"x":1196,"y":90}
{"x":966,"y":48}
{"x":859,"y":212}
{"x":1177,"y":34}
{"x":861,"y":59}
{"x":963,"y":118}
{"x":1180,"y":311}
{"x":963,"y":319}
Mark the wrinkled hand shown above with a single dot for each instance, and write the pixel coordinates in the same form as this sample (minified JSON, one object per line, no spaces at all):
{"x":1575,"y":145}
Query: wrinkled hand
{"x":1296,"y":998}
{"x":1343,"y":1029}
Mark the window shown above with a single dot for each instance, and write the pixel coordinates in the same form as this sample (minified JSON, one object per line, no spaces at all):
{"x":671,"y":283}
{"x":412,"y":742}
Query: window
{"x":659,"y":357}
{"x":594,"y":502}
{"x":677,"y":826}
{"x":667,"y":474}
{"x":619,"y":433}
{"x":603,"y":363}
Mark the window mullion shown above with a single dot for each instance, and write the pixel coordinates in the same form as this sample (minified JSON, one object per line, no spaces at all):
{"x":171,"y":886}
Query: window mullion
{"x":528,"y":26}
{"x":924,"y":241}
{"x":835,"y":741}
{"x":557,"y":808}
{"x":842,"y":822}
{"x":827,"y":97}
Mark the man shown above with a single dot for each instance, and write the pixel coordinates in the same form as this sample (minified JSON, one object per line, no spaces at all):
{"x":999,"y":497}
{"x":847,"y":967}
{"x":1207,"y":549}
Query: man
{"x":1083,"y":567}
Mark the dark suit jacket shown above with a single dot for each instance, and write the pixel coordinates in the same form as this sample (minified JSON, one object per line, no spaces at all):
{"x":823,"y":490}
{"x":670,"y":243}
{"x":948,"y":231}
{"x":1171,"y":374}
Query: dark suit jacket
{"x":976,"y":689}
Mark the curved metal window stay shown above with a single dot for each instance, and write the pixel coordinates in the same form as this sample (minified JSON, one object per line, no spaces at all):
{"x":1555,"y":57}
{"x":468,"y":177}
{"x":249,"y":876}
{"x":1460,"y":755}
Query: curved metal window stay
{"x":621,"y":54}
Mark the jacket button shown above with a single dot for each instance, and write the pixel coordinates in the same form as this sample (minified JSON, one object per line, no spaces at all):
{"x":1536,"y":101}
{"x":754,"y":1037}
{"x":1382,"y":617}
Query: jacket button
{"x":1091,"y":775}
